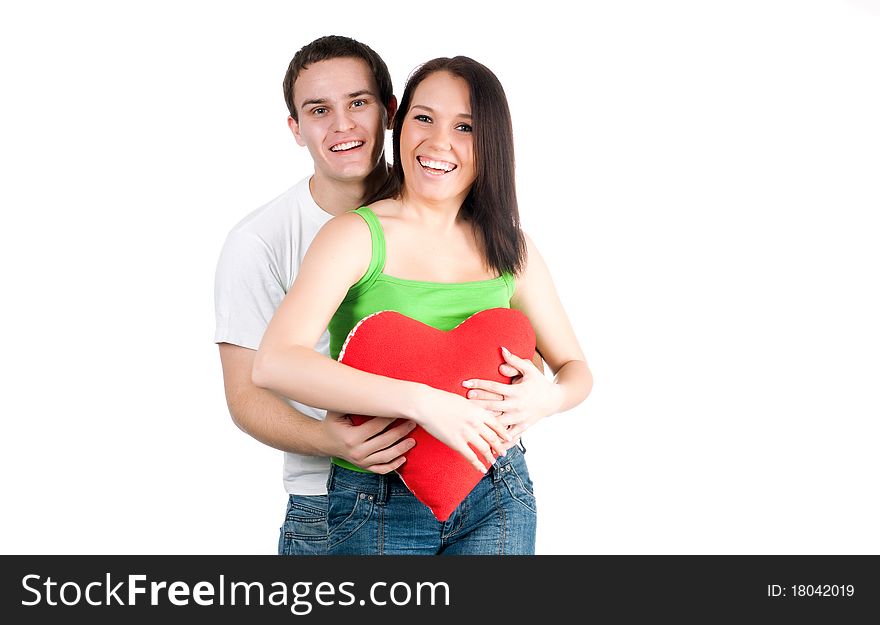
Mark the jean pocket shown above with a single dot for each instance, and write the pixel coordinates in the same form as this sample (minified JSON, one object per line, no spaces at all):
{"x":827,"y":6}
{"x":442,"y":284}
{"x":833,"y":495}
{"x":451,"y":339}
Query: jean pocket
{"x":347,"y":512}
{"x":305,"y":526}
{"x":307,"y":509}
{"x":515,"y":476}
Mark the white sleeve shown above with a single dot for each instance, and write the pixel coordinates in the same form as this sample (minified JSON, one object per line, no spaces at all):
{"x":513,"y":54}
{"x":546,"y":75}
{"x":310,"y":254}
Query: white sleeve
{"x":248,"y":288}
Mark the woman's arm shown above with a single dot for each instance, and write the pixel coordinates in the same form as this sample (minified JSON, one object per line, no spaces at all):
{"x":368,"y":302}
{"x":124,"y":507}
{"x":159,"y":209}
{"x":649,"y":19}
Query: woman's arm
{"x":287,"y":363}
{"x":536,"y":397}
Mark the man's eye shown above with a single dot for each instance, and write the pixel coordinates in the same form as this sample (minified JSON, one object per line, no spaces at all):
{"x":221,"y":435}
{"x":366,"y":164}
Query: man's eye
{"x":358,"y":103}
{"x":319,"y":111}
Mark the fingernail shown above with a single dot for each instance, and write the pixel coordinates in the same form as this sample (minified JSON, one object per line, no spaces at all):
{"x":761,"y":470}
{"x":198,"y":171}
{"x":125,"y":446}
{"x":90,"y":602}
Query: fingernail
{"x":467,"y":383}
{"x":505,"y":350}
{"x":412,"y":425}
{"x":472,"y":394}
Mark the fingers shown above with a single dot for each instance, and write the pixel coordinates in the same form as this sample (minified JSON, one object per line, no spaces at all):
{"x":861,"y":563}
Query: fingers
{"x":484,"y":448}
{"x":386,"y":439}
{"x":387,"y":454}
{"x":386,"y":459}
{"x":498,"y":445}
{"x":370,"y":428}
{"x":487,"y":443}
{"x":383,"y":449}
{"x":478,"y":394}
{"x":473,"y":458}
{"x":388,"y":467}
{"x":487,"y":385}
{"x":520,"y":363}
{"x":510,"y":444}
{"x":493,"y":406}
{"x":498,"y":429}
{"x":506,"y":370}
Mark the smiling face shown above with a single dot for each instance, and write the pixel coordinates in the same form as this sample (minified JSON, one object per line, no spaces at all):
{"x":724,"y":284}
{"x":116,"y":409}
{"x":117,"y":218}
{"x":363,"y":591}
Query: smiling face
{"x":342,"y":122}
{"x":436,"y":141}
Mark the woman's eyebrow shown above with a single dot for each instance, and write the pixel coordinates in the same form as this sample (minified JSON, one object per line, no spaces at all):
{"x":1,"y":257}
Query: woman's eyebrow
{"x":431,"y":111}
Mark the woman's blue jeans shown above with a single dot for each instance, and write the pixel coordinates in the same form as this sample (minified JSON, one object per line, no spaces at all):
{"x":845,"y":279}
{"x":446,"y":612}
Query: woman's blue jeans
{"x":371,"y":514}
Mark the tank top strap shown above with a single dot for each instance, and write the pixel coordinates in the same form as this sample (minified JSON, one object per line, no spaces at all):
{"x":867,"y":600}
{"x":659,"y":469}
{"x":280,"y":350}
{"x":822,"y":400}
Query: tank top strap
{"x":377,"y":257}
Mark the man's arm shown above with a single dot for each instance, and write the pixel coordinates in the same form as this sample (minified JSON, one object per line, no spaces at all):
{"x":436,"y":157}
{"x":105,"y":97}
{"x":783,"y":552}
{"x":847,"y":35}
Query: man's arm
{"x":269,"y":419}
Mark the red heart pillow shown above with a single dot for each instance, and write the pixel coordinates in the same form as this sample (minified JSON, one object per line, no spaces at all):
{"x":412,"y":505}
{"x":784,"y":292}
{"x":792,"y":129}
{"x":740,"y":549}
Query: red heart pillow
{"x":394,"y":345}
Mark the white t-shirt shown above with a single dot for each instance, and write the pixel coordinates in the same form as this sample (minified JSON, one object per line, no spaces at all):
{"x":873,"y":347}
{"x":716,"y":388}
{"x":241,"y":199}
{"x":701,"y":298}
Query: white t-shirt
{"x":259,"y":262}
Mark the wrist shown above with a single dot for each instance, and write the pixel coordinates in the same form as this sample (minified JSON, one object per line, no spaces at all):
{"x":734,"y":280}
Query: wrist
{"x":325,"y":441}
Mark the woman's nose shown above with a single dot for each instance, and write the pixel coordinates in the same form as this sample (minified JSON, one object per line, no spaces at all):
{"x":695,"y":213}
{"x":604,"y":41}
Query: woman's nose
{"x":440,"y":139}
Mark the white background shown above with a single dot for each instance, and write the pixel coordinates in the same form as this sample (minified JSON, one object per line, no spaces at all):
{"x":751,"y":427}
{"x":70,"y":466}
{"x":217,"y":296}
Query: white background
{"x":702,"y":177}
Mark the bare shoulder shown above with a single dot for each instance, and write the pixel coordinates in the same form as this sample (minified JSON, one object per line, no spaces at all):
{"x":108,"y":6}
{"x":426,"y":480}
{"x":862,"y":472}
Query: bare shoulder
{"x":533,"y":256}
{"x":346,"y":229}
{"x":385,"y":208}
{"x":341,"y":249}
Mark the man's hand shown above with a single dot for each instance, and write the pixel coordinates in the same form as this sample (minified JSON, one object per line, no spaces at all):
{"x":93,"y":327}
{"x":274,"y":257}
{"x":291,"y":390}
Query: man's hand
{"x":368,"y":445}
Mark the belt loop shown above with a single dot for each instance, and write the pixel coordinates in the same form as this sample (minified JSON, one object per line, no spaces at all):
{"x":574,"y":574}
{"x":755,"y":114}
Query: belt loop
{"x":384,"y":488}
{"x":330,"y":475}
{"x":497,"y":468}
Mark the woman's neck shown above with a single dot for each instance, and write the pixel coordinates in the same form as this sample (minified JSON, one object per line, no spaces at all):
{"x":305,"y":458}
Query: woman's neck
{"x":442,"y":215}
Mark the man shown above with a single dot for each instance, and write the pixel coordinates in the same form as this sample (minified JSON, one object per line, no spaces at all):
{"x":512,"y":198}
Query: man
{"x":339,"y":95}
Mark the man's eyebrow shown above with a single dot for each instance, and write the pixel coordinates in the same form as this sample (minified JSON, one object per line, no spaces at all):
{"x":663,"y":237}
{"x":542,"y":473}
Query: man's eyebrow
{"x":313,"y":101}
{"x":354,"y":94}
{"x":431,"y":111}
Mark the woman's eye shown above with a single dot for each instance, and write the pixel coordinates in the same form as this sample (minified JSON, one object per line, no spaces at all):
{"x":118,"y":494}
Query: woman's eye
{"x":358,"y":103}
{"x":464,"y":128}
{"x":422,"y":118}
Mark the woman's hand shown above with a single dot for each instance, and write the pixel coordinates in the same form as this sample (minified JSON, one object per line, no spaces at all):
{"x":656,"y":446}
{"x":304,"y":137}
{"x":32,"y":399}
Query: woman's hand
{"x":529,"y":399}
{"x":473,"y":431}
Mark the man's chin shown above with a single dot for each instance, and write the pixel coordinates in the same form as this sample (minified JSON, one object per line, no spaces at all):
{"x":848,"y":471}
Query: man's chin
{"x":353,"y":173}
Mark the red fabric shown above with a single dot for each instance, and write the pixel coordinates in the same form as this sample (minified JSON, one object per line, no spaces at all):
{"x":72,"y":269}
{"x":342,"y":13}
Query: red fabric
{"x":394,"y":345}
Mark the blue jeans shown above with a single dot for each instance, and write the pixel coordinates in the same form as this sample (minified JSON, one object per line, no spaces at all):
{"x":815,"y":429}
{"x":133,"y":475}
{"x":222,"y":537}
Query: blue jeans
{"x":370,"y":514}
{"x":304,"y":532}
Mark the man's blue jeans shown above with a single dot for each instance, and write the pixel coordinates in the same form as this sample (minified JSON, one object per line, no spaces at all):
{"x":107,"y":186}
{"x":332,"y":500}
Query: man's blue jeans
{"x":370,"y":514}
{"x":304,"y":532}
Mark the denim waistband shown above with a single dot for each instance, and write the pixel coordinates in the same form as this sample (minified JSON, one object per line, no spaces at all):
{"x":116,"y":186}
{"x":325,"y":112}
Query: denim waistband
{"x":389,"y":485}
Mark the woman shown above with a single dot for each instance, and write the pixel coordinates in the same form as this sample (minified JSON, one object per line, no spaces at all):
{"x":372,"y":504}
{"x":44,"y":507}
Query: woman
{"x":443,"y":244}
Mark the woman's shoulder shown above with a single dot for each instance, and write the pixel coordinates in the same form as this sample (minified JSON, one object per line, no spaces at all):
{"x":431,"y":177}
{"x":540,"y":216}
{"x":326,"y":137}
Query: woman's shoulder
{"x":385,"y":208}
{"x":531,"y":249}
{"x":348,"y":229}
{"x":533,"y":263}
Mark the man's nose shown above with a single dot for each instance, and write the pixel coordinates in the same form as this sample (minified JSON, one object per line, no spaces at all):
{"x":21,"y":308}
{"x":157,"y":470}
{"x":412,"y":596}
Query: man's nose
{"x":344,"y":121}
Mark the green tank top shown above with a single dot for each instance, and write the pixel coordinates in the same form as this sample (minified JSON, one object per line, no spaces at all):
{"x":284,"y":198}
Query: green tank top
{"x":442,"y":305}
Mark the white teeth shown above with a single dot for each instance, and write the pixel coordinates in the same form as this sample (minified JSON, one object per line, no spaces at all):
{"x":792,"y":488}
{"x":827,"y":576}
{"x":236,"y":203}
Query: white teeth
{"x":441,"y":165}
{"x":341,"y":147}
